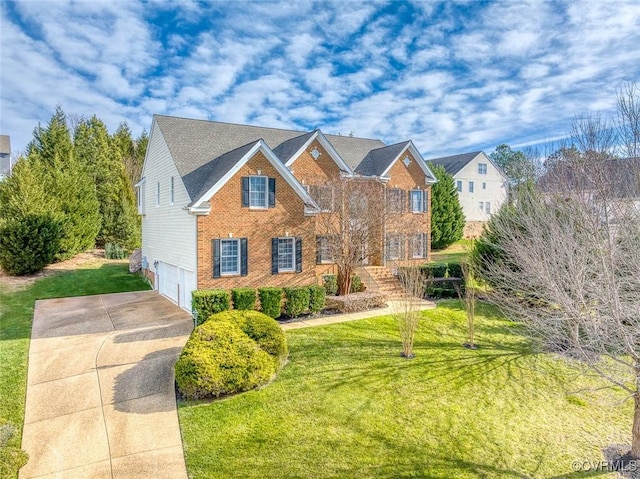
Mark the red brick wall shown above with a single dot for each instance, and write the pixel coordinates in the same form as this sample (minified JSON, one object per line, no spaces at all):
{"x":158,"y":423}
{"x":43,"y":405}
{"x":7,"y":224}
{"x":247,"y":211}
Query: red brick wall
{"x":409,"y":178}
{"x":315,"y":172}
{"x":228,"y":217}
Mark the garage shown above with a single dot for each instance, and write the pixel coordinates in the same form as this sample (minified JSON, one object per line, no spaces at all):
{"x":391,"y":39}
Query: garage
{"x":176,"y":284}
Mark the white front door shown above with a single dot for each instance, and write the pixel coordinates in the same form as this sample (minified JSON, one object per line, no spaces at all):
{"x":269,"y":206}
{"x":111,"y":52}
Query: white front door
{"x":187,"y":285}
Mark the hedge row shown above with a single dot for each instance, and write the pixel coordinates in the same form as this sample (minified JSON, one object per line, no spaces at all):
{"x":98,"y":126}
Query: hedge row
{"x":330,"y":284}
{"x":274,"y":302}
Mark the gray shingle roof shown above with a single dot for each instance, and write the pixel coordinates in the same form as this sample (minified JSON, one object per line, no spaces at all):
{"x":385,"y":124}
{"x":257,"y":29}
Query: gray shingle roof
{"x":197,"y":145}
{"x":453,"y":164}
{"x":378,"y":160}
{"x":287,"y":149}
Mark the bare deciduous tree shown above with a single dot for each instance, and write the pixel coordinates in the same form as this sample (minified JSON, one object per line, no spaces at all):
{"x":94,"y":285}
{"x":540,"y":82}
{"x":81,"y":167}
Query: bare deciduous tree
{"x":406,"y":309}
{"x":567,"y":264}
{"x":628,"y":119}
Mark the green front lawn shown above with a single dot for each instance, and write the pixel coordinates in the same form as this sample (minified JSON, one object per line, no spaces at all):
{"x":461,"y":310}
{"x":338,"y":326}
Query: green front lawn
{"x":16,"y":314}
{"x":456,"y":252}
{"x":347,"y":405}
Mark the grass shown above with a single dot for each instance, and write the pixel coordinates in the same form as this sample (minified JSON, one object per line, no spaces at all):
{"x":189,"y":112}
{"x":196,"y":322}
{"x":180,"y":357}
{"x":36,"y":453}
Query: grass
{"x":16,"y":314}
{"x":456,"y":252}
{"x":347,"y":405}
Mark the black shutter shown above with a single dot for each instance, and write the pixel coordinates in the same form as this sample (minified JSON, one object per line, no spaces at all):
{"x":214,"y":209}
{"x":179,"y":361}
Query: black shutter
{"x":318,"y":249}
{"x":272,"y":192}
{"x":403,"y":241}
{"x":244,"y":260}
{"x":410,"y":197}
{"x":298,"y":255}
{"x":245,"y":191}
{"x":403,"y":200}
{"x":274,"y":255}
{"x":425,"y":202}
{"x":216,"y":258}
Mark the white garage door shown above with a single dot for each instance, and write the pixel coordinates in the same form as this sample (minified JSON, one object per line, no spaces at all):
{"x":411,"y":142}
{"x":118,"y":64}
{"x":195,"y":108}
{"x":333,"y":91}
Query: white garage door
{"x":168,"y":281}
{"x":176,"y":284}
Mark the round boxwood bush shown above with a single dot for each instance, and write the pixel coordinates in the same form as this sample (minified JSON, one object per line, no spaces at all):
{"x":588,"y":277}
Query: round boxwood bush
{"x":219,"y":359}
{"x":265,"y":331}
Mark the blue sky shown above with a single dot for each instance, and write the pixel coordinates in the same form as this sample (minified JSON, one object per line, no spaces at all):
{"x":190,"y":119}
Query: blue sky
{"x":453,"y":77}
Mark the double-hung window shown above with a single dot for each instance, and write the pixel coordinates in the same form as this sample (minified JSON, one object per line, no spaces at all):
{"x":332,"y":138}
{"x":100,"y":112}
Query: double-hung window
{"x":286,"y":255}
{"x":419,"y":246}
{"x":459,"y":186}
{"x":323,"y":249}
{"x":487,"y":207}
{"x":229,"y":256}
{"x":395,"y":245}
{"x":417,"y":202}
{"x":257,"y":191}
{"x":395,"y":200}
{"x":471,"y":187}
{"x":482,"y":168}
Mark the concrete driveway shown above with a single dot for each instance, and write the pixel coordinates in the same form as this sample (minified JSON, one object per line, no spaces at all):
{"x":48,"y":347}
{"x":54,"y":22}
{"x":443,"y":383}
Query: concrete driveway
{"x":100,"y":389}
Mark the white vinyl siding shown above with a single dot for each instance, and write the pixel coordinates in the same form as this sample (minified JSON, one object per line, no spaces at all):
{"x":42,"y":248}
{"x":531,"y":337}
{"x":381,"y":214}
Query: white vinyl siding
{"x":172,"y":191}
{"x":168,"y":231}
{"x":158,"y":193}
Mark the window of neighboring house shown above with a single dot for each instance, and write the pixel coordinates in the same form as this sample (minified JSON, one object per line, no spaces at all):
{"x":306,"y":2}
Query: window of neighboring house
{"x":323,"y":250}
{"x":482,"y":168}
{"x":395,"y":246}
{"x":471,"y":187}
{"x":484,"y":185}
{"x":487,"y":207}
{"x":158,"y":193}
{"x":459,"y":186}
{"x":229,"y":256}
{"x":322,"y":195}
{"x":419,"y":245}
{"x":481,"y":205}
{"x":395,"y":200}
{"x":171,"y":191}
{"x":417,"y":202}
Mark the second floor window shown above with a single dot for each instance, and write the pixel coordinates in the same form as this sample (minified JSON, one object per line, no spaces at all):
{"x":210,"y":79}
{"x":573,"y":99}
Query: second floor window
{"x":418,"y":202}
{"x":459,"y":186}
{"x":482,"y":168}
{"x":258,"y":191}
{"x":471,"y":187}
{"x":395,"y":200}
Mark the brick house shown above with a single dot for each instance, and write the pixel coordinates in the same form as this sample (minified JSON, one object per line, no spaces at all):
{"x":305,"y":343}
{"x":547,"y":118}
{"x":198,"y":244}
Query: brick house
{"x":226,"y":205}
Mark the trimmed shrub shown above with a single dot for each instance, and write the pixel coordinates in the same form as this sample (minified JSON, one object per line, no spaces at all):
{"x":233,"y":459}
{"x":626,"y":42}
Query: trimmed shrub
{"x":444,"y":288}
{"x":434,"y":270}
{"x":206,"y":302}
{"x":28,"y":244}
{"x":271,"y":301}
{"x":218,"y":359}
{"x":330,"y":284}
{"x":357,"y":286}
{"x":243,"y":298}
{"x":114,"y":251}
{"x":296,"y":301}
{"x":317,"y":299}
{"x":354,"y":302}
{"x":454,"y":270}
{"x":262,"y":329}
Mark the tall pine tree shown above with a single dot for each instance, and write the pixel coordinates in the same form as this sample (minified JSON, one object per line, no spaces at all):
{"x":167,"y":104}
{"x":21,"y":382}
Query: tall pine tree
{"x":68,"y":185}
{"x":447,"y":218}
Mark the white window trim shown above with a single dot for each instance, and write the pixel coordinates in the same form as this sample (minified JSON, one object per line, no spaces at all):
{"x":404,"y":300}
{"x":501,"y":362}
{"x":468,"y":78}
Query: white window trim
{"x":481,"y":206}
{"x":420,"y":209}
{"x":399,"y":249}
{"x":327,"y":249}
{"x":484,"y":185}
{"x":237,"y":270}
{"x":293,"y":255}
{"x":480,"y":165}
{"x":487,"y":206}
{"x":266,"y":193}
{"x":459,"y":186}
{"x":157,"y":194}
{"x":472,"y":187}
{"x":172,"y":191}
{"x":423,"y":246}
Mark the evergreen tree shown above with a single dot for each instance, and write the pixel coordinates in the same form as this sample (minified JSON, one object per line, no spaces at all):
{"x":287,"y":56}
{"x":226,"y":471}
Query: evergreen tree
{"x":447,"y":218}
{"x":69,"y":188}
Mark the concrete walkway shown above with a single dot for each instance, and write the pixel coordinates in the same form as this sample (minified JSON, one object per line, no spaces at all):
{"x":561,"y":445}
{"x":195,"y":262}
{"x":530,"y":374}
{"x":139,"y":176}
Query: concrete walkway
{"x":392,"y":307}
{"x":100,"y":389}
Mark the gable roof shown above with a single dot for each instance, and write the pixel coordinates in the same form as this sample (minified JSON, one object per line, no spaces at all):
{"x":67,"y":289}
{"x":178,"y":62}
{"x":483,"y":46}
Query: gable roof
{"x":378,"y":161}
{"x":453,"y":164}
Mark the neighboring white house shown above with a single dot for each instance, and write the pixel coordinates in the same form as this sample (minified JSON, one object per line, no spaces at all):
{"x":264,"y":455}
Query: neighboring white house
{"x":5,"y":156}
{"x":481,"y":185}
